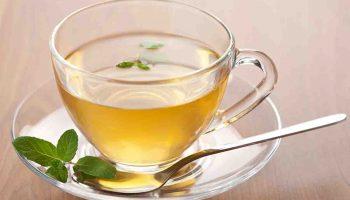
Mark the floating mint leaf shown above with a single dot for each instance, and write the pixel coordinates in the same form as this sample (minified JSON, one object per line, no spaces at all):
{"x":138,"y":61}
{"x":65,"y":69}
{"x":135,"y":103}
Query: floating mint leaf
{"x":96,"y":167}
{"x":126,"y":64}
{"x":37,"y":150}
{"x":142,"y":66}
{"x":59,"y":173}
{"x":151,"y":45}
{"x":67,"y":145}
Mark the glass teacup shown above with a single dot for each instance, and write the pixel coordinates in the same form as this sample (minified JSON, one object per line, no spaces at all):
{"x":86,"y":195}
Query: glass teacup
{"x":143,"y":80}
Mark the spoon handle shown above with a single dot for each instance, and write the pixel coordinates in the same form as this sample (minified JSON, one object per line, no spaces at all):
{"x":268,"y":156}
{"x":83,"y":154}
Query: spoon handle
{"x":284,"y":132}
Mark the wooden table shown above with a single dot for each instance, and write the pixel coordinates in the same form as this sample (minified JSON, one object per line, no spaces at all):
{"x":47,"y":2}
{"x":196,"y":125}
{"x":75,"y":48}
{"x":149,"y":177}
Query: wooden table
{"x":309,"y":41}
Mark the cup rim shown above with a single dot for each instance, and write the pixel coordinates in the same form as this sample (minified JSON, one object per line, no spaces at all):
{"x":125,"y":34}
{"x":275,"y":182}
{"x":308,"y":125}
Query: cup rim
{"x":212,"y":66}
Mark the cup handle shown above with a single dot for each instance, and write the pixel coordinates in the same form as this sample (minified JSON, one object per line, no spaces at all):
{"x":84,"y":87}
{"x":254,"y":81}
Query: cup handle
{"x":255,"y":97}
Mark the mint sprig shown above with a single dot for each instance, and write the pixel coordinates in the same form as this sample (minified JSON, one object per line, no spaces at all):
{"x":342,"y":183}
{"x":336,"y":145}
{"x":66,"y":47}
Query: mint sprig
{"x":56,"y":158}
{"x":137,"y":63}
{"x":150,"y":45}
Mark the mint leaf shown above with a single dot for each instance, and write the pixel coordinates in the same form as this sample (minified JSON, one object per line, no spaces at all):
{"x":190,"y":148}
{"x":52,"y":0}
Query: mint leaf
{"x":67,"y":145}
{"x":59,"y":173}
{"x":125,"y":64}
{"x":143,"y":66}
{"x":96,"y":167}
{"x":35,"y":149}
{"x":81,"y":177}
{"x":56,"y":163}
{"x":129,"y":64}
{"x":151,"y":45}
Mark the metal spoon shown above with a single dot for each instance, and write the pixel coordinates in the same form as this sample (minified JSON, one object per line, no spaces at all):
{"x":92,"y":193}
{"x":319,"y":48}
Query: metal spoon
{"x":127,"y":182}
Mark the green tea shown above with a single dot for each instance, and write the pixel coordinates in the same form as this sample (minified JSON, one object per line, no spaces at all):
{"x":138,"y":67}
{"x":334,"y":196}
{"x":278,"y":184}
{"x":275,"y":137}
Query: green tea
{"x":147,"y":124}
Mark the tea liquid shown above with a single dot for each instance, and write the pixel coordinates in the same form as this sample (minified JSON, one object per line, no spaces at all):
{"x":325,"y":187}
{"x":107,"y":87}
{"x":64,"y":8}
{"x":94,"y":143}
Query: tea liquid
{"x":142,"y":124}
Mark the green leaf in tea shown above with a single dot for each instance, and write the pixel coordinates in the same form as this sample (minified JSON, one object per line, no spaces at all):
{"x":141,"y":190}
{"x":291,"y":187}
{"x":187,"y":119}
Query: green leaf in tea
{"x":126,"y":64}
{"x":96,"y":167}
{"x":67,"y":145}
{"x":37,"y":150}
{"x":142,"y":66}
{"x":151,"y":45}
{"x":58,"y":172}
{"x":129,"y":64}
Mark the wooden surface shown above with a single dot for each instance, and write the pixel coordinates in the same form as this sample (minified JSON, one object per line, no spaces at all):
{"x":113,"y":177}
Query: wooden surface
{"x":309,"y":41}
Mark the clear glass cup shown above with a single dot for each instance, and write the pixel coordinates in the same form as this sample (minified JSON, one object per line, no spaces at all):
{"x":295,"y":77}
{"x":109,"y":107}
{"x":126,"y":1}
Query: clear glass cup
{"x":140,"y":120}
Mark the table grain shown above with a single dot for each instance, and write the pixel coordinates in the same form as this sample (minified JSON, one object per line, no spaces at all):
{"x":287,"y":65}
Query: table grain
{"x":309,"y":42}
